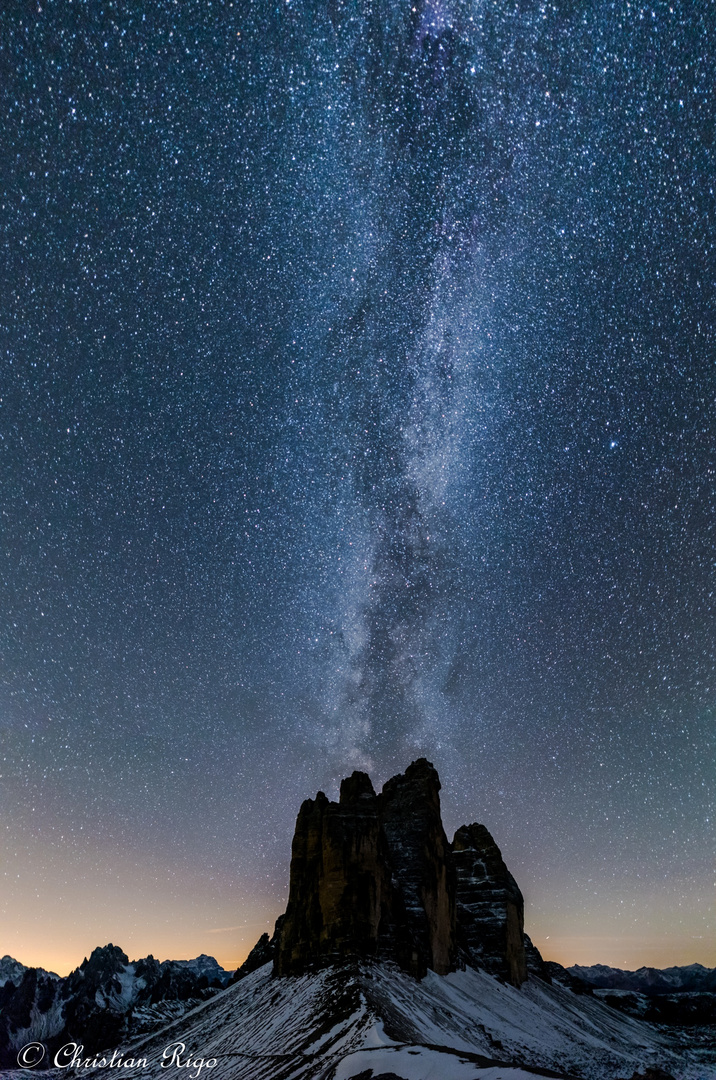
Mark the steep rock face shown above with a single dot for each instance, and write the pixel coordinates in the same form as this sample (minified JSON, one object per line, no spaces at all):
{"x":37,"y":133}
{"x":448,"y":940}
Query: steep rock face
{"x":340,"y":884}
{"x":26,"y":1011}
{"x":490,"y":908}
{"x":374,"y":876}
{"x":420,"y":859}
{"x":535,"y":964}
{"x":370,"y":876}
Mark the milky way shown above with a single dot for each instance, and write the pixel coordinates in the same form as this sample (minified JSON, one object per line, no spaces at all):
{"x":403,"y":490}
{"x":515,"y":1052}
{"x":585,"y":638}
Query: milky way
{"x":357,"y":404}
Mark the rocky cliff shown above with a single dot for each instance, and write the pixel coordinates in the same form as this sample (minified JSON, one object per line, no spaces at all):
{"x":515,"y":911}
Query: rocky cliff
{"x":375,"y":876}
{"x":370,"y":877}
{"x":419,"y":860}
{"x":490,"y":905}
{"x":341,"y":894}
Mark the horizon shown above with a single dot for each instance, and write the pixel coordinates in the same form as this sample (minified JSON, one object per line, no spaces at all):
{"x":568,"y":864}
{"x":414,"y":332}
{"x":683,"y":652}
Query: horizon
{"x":231,"y":966}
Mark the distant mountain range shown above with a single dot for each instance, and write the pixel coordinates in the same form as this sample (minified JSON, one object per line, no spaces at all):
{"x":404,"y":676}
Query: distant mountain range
{"x":647,"y":980}
{"x":13,"y":971}
{"x":678,"y":996}
{"x":104,"y":1001}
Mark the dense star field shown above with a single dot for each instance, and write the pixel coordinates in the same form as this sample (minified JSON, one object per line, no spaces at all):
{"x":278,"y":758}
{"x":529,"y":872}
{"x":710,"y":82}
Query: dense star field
{"x":357,"y":378}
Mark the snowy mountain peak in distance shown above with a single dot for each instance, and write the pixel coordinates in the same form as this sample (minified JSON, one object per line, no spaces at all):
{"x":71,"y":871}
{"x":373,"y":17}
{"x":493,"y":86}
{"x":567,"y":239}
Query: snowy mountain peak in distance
{"x":693,"y":978}
{"x":12,"y":971}
{"x":203,"y":965}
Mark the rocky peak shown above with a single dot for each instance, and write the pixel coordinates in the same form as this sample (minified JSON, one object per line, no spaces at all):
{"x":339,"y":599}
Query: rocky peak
{"x":420,"y":782}
{"x":370,"y":877}
{"x":11,"y":970}
{"x":203,"y":965}
{"x":374,"y":876}
{"x":104,"y":962}
{"x":263,"y":951}
{"x":355,"y":787}
{"x":490,"y":908}
{"x":419,"y":856}
{"x":340,"y":886}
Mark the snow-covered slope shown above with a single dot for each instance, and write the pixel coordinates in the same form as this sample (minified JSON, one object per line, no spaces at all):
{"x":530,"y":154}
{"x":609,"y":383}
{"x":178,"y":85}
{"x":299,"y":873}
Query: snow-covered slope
{"x":342,"y":1023}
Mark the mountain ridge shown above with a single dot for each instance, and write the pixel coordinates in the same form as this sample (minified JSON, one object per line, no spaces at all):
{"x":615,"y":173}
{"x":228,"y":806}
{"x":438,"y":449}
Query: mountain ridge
{"x":648,"y":980}
{"x":374,"y":876}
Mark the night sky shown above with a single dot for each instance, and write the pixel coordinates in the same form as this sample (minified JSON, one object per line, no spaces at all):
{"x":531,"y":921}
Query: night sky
{"x":357,"y":377}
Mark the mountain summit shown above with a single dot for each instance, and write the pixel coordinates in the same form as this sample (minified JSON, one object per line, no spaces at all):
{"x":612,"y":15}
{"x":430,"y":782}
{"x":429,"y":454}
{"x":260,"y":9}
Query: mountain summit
{"x":374,"y":876}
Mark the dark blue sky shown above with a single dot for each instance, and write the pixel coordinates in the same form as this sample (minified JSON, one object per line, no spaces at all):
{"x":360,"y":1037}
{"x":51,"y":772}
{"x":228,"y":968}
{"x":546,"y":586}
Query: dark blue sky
{"x":357,"y":377}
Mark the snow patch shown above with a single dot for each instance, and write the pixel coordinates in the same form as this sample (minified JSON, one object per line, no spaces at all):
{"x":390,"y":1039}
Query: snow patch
{"x":422,"y":1063}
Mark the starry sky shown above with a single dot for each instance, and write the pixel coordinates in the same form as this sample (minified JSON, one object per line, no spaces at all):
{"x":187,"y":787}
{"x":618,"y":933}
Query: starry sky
{"x":357,"y":378}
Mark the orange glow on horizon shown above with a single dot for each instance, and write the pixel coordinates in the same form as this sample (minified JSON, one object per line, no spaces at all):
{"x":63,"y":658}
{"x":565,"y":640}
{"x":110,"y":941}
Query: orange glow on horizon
{"x":626,"y":953}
